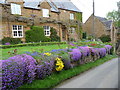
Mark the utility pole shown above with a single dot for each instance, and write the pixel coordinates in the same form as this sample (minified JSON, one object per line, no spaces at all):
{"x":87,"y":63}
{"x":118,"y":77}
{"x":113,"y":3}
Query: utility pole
{"x":93,"y":25}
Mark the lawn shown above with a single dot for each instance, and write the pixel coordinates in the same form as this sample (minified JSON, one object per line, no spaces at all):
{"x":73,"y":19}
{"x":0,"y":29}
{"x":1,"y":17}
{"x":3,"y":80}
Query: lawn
{"x":22,"y":50}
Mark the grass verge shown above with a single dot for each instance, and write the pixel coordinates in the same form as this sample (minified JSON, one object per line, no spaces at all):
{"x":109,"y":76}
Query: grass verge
{"x":57,"y":78}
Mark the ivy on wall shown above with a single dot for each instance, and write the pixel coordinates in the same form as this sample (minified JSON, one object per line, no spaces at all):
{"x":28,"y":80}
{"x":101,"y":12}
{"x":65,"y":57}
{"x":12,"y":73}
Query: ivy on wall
{"x":79,"y":16}
{"x":79,"y":30}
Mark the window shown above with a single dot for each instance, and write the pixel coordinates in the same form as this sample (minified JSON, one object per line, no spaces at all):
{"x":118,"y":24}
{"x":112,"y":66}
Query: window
{"x":72,"y":30}
{"x":17,"y":31}
{"x":45,"y":12}
{"x":15,"y":9}
{"x":47,"y":30}
{"x":71,"y":16}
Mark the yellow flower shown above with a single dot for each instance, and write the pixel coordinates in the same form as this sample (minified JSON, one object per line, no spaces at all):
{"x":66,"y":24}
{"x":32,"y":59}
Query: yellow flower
{"x":57,"y":59}
{"x":48,"y":54}
{"x":59,"y":64}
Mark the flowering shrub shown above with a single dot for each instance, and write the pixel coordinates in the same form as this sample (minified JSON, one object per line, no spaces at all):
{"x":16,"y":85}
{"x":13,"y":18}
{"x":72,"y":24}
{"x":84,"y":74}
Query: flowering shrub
{"x":93,"y":44}
{"x":7,"y":43}
{"x":66,"y":60}
{"x":94,"y":51}
{"x":44,"y":70}
{"x":84,"y":50}
{"x":17,"y":70}
{"x":102,"y":52}
{"x":59,"y":64}
{"x":75,"y":54}
{"x":108,"y":47}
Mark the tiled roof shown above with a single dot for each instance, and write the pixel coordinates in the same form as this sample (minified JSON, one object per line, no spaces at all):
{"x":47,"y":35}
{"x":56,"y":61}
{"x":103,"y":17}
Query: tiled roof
{"x":53,"y":7}
{"x":55,"y":4}
{"x":33,"y":5}
{"x":106,"y":22}
{"x":65,"y":4}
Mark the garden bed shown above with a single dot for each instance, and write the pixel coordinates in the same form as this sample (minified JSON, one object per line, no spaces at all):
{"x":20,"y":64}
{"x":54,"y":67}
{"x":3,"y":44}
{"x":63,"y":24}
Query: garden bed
{"x":25,"y":68}
{"x":55,"y":78}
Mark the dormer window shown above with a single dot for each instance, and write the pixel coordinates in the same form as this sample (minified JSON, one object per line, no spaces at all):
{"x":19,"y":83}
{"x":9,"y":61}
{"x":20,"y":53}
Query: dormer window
{"x":45,"y":12}
{"x":71,"y":16}
{"x":15,"y":9}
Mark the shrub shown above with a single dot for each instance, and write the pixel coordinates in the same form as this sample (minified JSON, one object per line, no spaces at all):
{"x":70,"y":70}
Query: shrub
{"x":44,"y":70}
{"x":108,"y":47}
{"x":84,"y":50}
{"x":102,"y":52}
{"x":11,"y":40}
{"x":36,"y":34}
{"x":75,"y":54}
{"x":105,"y":38}
{"x":84,"y":35}
{"x":53,"y":35}
{"x":17,"y":70}
{"x":32,"y":44}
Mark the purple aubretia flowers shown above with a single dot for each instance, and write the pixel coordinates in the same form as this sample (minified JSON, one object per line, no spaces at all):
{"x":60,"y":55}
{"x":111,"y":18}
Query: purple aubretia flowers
{"x":17,"y":70}
{"x":75,"y":54}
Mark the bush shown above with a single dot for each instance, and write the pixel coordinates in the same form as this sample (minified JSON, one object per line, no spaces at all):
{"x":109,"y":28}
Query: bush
{"x":53,"y":35}
{"x":31,"y":44}
{"x":105,"y":38}
{"x":44,"y":70}
{"x":75,"y":54}
{"x":36,"y":34}
{"x":84,"y":35}
{"x":17,"y":70}
{"x":11,"y":40}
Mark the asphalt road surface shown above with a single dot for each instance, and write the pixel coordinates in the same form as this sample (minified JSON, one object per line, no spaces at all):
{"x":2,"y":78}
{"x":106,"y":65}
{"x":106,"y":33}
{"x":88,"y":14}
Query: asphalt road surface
{"x":103,"y":76}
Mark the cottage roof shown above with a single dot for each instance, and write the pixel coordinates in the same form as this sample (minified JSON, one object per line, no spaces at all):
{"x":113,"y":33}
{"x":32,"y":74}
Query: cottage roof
{"x":65,"y":4}
{"x":55,"y":4}
{"x":33,"y":5}
{"x":106,"y":22}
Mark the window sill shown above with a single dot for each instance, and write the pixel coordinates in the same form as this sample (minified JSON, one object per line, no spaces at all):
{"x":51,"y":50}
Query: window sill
{"x":18,"y":37}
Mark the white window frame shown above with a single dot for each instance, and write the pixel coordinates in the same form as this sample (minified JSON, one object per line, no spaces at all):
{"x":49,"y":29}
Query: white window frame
{"x":45,"y":12}
{"x":72,"y":30}
{"x":46,"y":30}
{"x":15,"y":9}
{"x":16,"y":28}
{"x":71,"y":16}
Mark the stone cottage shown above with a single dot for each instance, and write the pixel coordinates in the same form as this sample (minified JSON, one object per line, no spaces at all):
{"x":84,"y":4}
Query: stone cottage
{"x":102,"y":26}
{"x":18,"y":15}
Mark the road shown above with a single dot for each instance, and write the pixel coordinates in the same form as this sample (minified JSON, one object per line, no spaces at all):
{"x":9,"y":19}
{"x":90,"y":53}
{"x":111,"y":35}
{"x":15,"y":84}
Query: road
{"x":103,"y":76}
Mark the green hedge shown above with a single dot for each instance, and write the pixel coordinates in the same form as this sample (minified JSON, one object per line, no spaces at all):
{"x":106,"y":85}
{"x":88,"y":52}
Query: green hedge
{"x":54,"y":36}
{"x":31,"y":44}
{"x":36,"y":34}
{"x":11,"y":40}
{"x":105,"y":38}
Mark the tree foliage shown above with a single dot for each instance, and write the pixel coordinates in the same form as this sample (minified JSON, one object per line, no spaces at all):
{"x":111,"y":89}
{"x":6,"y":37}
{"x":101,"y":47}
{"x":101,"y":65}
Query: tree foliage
{"x":115,"y":16}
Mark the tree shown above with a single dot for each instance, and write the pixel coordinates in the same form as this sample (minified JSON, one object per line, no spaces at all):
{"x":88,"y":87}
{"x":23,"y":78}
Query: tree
{"x":115,"y":16}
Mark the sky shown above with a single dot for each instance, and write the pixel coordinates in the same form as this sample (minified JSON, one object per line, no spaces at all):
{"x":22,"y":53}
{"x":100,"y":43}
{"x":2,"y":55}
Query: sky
{"x":102,"y":7}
